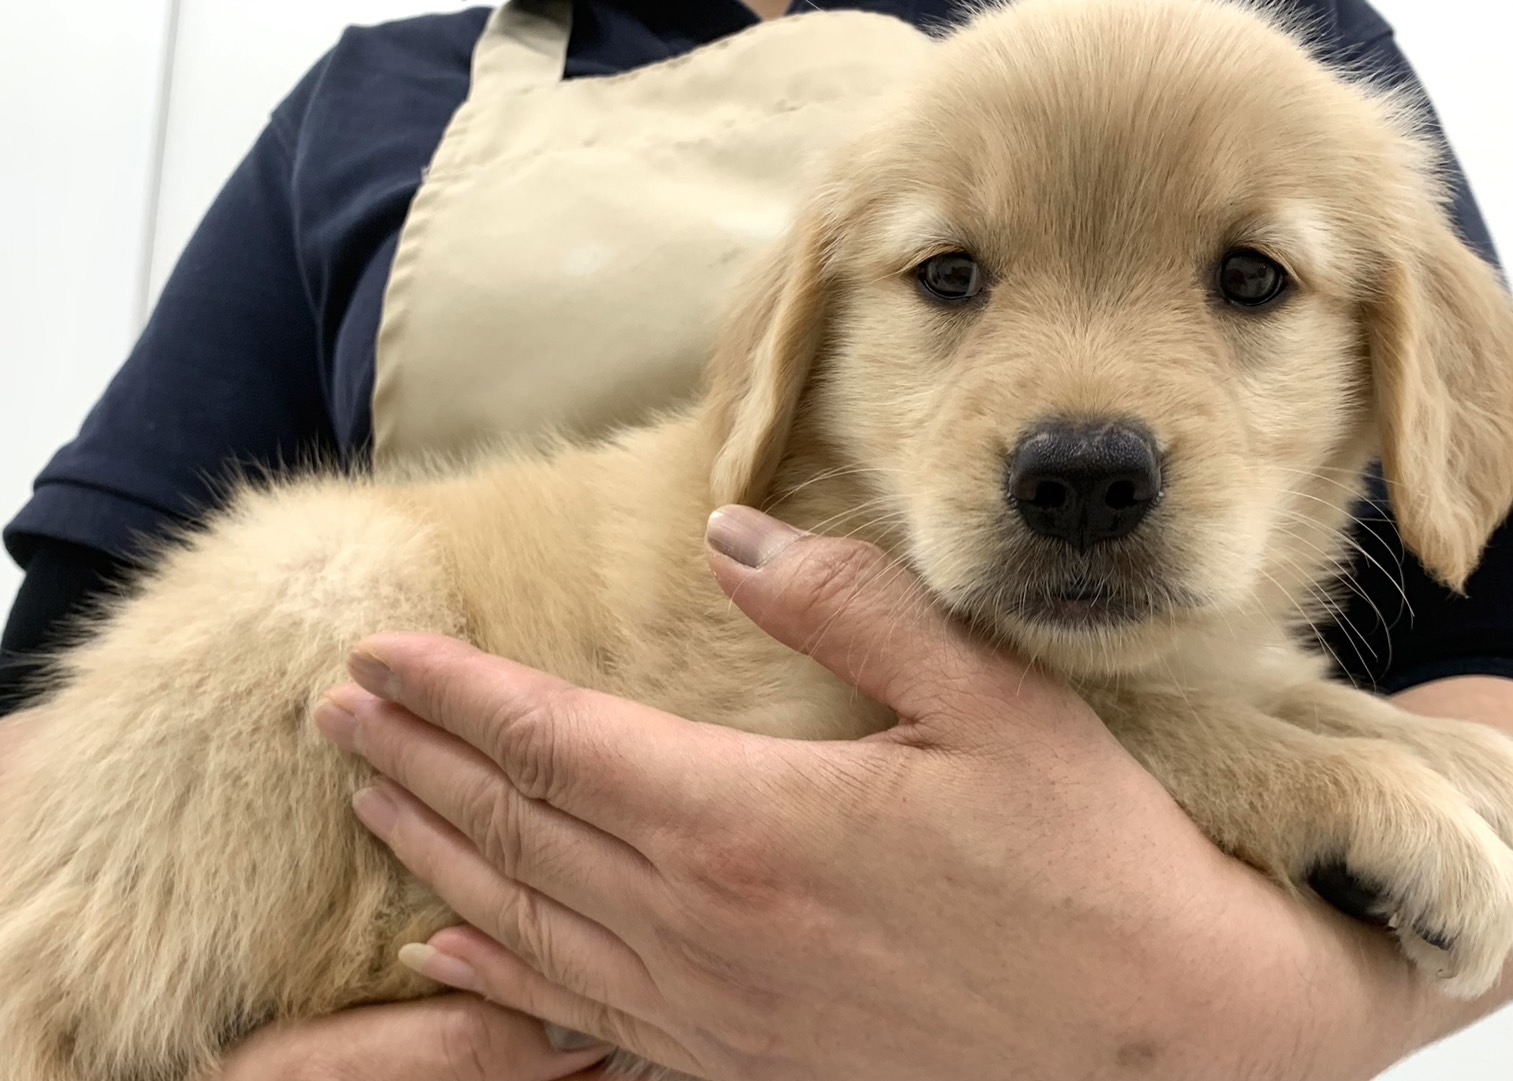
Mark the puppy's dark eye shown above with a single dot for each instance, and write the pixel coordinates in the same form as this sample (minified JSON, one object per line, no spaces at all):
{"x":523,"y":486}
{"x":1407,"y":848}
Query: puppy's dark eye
{"x":952,"y":277}
{"x":1251,"y":280}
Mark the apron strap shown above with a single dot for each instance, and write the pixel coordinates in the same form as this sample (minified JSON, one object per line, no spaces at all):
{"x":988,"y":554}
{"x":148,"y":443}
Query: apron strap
{"x":524,"y":45}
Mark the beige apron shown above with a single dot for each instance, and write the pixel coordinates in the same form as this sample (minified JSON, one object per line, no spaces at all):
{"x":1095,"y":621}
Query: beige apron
{"x":570,"y":253}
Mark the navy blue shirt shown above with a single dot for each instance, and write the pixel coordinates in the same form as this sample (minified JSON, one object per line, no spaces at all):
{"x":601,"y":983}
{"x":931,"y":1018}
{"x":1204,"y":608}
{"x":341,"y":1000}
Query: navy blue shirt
{"x":261,"y":348}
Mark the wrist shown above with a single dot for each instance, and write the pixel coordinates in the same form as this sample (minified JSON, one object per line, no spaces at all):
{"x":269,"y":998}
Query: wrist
{"x":1359,"y":1004}
{"x":1326,"y":998}
{"x":1348,"y":1004}
{"x":1276,"y":987}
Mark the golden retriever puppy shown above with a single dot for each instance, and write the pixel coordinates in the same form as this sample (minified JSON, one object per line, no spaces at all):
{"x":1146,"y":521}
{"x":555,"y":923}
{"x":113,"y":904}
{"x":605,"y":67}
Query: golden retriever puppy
{"x":1094,"y":332}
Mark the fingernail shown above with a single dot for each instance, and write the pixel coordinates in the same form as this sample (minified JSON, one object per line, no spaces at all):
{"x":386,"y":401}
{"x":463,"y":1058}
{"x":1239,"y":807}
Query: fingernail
{"x":748,"y":536}
{"x":441,"y":967}
{"x":337,"y":724}
{"x":376,"y":811}
{"x":373,"y":675}
{"x":565,"y":1039}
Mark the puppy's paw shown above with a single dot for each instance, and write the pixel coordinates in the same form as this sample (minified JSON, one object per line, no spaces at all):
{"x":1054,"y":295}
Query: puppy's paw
{"x":1406,"y":851}
{"x":1476,"y":759}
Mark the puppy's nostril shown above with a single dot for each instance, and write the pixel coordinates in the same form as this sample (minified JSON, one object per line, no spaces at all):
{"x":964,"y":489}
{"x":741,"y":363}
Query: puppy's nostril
{"x":1049,"y":495}
{"x":1120,"y":495}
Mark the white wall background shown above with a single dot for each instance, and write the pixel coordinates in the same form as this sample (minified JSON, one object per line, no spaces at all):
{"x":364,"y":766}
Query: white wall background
{"x":120,"y":118}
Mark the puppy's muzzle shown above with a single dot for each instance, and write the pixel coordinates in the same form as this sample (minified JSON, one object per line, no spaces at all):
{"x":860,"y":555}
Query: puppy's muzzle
{"x":1085,"y":482}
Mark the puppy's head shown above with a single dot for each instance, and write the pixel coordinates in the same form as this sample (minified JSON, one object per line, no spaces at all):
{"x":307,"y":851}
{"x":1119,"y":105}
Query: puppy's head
{"x":1105,"y":320}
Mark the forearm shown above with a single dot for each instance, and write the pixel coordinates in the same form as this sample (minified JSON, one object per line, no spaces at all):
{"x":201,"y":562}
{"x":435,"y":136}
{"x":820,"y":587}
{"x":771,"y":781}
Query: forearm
{"x":1486,"y":699}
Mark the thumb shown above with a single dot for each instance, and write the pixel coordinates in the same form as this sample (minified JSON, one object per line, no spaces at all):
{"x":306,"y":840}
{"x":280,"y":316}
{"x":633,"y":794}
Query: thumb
{"x":869,"y":620}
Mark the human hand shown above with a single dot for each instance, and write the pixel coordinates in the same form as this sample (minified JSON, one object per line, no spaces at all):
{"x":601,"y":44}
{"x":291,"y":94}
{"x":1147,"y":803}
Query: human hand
{"x":994,"y":888}
{"x":448,"y":1038}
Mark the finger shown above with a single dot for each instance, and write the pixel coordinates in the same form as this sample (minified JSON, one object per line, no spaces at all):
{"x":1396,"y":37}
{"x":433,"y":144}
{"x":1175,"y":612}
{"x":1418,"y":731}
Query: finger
{"x":564,"y":946}
{"x":525,"y":840}
{"x":502,"y":977}
{"x":446,"y":1038}
{"x":612,"y":763}
{"x":865,"y":618}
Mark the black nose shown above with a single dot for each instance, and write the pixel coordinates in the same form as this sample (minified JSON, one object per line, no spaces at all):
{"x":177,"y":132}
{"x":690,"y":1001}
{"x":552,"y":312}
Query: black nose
{"x":1085,"y":482}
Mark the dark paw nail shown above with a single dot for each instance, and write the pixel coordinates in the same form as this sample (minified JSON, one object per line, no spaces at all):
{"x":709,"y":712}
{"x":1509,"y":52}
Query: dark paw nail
{"x":1440,"y":940}
{"x":1341,"y":887}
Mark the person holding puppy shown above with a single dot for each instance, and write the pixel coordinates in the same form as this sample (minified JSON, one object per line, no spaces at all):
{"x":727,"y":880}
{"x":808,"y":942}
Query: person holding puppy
{"x":431,"y":392}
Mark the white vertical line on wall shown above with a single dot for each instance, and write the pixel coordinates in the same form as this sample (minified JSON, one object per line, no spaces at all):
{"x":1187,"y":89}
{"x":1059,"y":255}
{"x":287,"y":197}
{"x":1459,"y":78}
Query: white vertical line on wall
{"x":143,"y":299}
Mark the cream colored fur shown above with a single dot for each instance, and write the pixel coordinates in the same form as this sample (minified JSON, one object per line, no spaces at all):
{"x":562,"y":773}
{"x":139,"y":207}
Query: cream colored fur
{"x":180,"y":863}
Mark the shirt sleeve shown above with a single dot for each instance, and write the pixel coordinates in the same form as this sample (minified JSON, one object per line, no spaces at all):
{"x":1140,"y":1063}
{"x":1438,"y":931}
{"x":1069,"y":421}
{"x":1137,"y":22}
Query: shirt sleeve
{"x":1401,"y":628}
{"x":62,"y":580}
{"x":224,"y":376}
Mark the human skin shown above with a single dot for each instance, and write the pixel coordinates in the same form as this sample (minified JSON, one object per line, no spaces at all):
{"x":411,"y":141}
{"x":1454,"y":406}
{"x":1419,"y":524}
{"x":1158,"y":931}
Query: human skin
{"x":994,"y":888}
{"x":447,"y":1038}
{"x":768,"y":9}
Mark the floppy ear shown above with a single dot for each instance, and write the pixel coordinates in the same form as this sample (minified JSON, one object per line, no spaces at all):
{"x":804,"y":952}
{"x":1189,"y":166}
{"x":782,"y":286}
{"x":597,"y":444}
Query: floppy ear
{"x":763,"y":359}
{"x":1441,"y":341}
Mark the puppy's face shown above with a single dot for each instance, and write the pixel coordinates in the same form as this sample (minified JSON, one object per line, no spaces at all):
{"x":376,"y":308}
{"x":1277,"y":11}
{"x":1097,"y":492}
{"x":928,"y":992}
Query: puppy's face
{"x":1101,"y":319}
